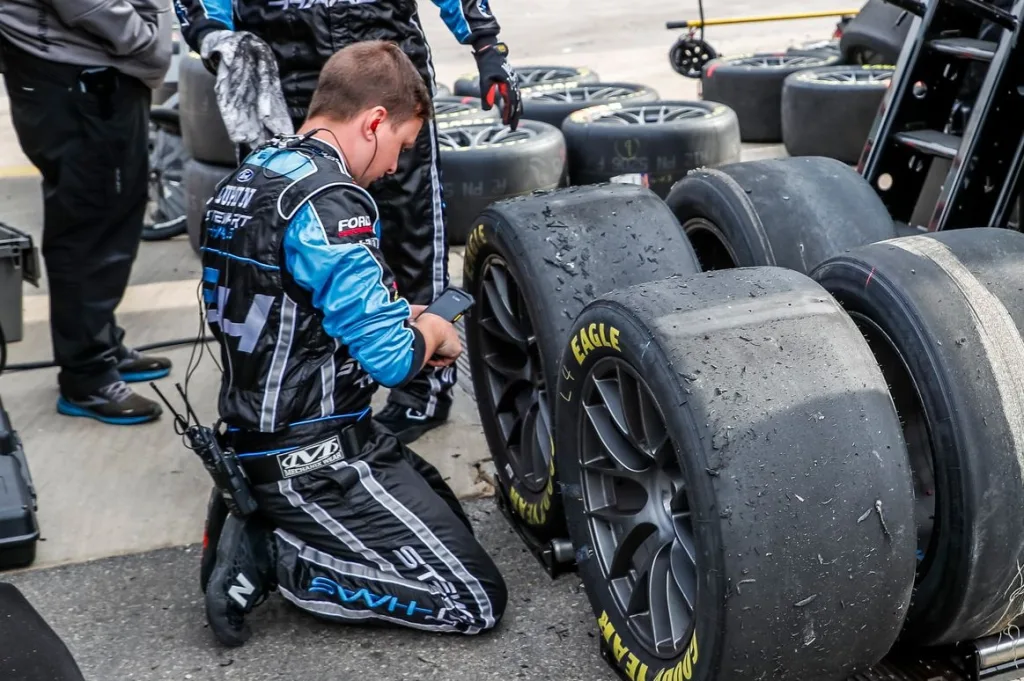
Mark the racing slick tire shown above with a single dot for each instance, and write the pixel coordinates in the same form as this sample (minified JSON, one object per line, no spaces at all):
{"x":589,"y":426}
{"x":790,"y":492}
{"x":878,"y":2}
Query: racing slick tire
{"x":876,"y":35}
{"x":786,"y":212}
{"x":943,"y":313}
{"x":734,"y":480}
{"x":200,"y":184}
{"x":451,"y":109}
{"x":202,"y":128}
{"x":653,"y":144}
{"x":552,"y":102}
{"x":468,"y":84}
{"x":830,"y":111}
{"x":484,"y":161}
{"x":531,"y":264}
{"x":751,"y":85}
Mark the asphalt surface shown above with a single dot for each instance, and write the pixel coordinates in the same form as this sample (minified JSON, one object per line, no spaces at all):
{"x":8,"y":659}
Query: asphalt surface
{"x":141,"y":618}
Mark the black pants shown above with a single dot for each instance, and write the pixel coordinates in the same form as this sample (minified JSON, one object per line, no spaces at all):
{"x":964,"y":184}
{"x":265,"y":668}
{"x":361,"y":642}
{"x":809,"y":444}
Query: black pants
{"x":87,"y":133}
{"x":380,"y":538}
{"x":415,"y":246}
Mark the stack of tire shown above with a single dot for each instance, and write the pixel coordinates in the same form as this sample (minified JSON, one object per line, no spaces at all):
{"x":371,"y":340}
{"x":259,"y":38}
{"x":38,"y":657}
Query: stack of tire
{"x":817,"y":99}
{"x":212,"y":154}
{"x":623,"y":132}
{"x":788,"y":441}
{"x":483,"y":161}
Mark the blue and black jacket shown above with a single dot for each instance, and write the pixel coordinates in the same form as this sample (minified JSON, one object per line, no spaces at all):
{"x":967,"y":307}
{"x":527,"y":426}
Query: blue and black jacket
{"x":306,"y":311}
{"x":305,"y":33}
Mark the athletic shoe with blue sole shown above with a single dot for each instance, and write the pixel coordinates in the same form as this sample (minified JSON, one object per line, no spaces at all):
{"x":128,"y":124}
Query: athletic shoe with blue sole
{"x":115,"y":404}
{"x":135,"y":367}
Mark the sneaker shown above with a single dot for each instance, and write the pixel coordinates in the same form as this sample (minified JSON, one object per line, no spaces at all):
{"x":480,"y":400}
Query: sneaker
{"x":242,"y":578}
{"x":216,"y":514}
{"x":114,"y":403}
{"x":405,"y":423}
{"x":135,"y":366}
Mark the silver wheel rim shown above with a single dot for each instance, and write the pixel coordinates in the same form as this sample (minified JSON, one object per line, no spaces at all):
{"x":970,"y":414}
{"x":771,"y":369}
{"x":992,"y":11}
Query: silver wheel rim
{"x":651,"y":115}
{"x":528,"y":75}
{"x":584,"y":93}
{"x":776,"y":61}
{"x":450,"y":108}
{"x":858,"y":76}
{"x":476,"y":136}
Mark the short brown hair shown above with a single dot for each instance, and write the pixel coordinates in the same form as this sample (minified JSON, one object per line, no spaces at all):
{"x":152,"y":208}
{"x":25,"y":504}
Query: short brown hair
{"x":368,"y":74}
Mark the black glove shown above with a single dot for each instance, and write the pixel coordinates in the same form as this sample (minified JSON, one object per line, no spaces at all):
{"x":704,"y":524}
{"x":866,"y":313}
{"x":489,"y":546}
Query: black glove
{"x":497,"y":78}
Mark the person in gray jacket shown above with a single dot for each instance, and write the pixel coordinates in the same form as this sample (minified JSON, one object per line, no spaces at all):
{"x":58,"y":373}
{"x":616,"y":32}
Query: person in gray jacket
{"x":79,"y":77}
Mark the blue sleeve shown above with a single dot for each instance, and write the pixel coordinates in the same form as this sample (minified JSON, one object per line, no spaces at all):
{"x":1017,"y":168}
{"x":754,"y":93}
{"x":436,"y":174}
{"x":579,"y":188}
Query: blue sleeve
{"x":344,"y":271}
{"x":198,"y":17}
{"x":468,"y":20}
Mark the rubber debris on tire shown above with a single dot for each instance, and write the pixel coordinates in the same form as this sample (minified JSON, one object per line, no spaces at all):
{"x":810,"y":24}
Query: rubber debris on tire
{"x":787,"y":212}
{"x":751,"y":84}
{"x":552,"y":102}
{"x":943,"y":313}
{"x":653,"y":144}
{"x":531,"y":264}
{"x":736,"y":483}
{"x":484,"y":161}
{"x":830,"y":111}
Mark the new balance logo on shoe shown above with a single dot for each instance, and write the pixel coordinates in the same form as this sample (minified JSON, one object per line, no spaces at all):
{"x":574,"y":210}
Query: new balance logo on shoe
{"x":241,"y":590}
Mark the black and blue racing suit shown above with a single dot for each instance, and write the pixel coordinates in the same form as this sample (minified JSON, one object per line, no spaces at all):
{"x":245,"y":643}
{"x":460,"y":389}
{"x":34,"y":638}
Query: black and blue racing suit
{"x":303,"y":34}
{"x":309,"y":322}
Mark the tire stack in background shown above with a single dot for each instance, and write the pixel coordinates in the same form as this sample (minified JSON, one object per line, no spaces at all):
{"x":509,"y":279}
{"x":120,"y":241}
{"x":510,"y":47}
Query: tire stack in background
{"x":817,"y":99}
{"x":212,"y":153}
{"x":788,"y":440}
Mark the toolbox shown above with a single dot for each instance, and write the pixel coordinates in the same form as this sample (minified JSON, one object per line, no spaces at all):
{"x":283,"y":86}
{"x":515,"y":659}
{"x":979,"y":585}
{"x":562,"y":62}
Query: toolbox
{"x":19,"y":529}
{"x":19,"y":262}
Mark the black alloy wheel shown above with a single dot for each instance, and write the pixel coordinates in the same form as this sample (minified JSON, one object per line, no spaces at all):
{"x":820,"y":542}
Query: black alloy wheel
{"x":517,"y":391}
{"x":638,"y":509}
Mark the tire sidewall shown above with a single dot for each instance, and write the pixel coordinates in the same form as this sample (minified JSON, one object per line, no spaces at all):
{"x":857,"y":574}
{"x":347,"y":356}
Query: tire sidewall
{"x":541,"y":512}
{"x":503,"y":170}
{"x":599,"y":152}
{"x":842,"y":277}
{"x":634,"y":344}
{"x":710,"y":198}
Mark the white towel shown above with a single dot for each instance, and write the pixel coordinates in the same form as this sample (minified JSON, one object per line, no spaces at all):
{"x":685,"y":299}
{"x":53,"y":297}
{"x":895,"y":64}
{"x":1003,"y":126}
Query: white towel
{"x":248,"y":87}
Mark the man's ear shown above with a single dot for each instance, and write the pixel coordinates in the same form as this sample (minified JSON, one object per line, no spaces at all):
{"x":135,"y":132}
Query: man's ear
{"x":378,"y":115}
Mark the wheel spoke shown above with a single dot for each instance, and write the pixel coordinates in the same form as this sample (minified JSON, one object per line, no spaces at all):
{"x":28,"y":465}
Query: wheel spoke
{"x":542,"y":435}
{"x":614,"y":442}
{"x":652,"y":426}
{"x":632,"y":538}
{"x":660,"y":592}
{"x":684,"y":574}
{"x":503,"y":315}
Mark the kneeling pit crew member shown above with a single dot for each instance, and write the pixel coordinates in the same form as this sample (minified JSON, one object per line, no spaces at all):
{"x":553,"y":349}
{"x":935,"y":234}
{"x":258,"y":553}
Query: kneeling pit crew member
{"x":352,"y":525}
